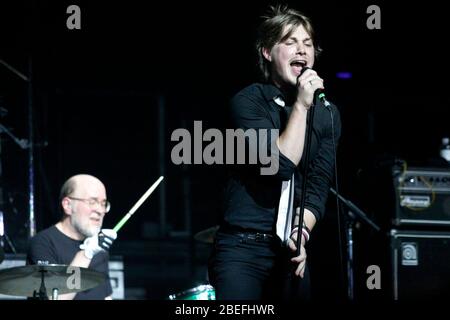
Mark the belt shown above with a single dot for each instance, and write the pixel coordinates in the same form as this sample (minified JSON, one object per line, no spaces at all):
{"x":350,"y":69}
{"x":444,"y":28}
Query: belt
{"x":257,"y":236}
{"x":247,"y":235}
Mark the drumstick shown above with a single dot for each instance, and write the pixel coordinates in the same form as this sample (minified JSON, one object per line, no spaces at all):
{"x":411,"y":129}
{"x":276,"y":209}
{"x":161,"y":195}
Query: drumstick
{"x":137,"y":205}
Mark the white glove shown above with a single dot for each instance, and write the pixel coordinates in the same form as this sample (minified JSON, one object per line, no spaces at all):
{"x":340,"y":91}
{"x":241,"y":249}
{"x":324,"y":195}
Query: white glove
{"x":99,"y":242}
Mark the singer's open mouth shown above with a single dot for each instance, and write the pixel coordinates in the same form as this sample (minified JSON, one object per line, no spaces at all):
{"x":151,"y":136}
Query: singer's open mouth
{"x":298,"y":65}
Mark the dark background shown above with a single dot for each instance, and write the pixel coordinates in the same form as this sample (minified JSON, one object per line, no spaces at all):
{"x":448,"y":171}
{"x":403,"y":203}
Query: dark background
{"x":106,"y":99}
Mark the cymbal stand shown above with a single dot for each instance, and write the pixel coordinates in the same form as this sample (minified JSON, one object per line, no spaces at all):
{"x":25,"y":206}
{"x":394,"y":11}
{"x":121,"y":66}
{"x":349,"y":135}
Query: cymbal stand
{"x":42,"y":294}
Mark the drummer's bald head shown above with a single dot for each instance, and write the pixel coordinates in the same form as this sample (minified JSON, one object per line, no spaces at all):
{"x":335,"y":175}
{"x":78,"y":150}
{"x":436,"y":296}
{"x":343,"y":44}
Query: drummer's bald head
{"x":73,"y":183}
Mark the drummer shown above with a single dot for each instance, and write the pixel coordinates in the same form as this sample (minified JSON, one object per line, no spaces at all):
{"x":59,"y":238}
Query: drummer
{"x":75,"y":240}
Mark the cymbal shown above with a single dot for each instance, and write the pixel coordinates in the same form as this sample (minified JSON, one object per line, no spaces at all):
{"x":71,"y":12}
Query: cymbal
{"x":25,"y":280}
{"x":207,"y":235}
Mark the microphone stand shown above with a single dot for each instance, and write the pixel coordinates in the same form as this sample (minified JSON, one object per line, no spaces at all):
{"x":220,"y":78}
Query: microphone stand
{"x":307,"y":150}
{"x":353,"y":214}
{"x":294,"y":288}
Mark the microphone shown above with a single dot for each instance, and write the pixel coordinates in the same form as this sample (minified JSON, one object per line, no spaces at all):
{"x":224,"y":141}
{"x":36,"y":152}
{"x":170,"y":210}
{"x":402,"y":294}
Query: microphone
{"x":319,"y":94}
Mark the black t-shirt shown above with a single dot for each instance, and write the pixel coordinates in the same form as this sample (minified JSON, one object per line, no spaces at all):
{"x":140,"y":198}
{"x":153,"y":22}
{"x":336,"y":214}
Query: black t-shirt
{"x":51,"y":246}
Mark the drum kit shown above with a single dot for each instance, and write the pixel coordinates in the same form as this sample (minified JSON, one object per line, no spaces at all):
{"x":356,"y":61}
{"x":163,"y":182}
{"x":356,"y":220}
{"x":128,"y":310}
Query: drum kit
{"x":204,"y":291}
{"x":44,"y":281}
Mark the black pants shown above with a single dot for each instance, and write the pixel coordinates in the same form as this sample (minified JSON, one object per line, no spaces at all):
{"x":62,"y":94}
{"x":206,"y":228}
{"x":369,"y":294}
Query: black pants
{"x":244,"y":268}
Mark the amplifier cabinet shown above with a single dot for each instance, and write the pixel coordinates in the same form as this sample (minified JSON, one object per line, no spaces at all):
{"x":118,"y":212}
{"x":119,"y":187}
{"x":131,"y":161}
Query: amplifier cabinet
{"x":420,"y":262}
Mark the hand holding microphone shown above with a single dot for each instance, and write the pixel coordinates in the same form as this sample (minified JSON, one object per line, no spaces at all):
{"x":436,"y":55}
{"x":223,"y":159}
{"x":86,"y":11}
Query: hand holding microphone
{"x":310,"y":88}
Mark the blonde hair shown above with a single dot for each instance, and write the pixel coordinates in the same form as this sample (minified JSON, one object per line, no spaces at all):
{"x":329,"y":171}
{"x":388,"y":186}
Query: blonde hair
{"x":270,"y":32}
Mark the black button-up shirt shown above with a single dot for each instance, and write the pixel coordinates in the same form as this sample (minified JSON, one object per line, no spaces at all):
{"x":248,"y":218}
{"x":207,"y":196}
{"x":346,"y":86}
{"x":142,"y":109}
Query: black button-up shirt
{"x":251,"y":200}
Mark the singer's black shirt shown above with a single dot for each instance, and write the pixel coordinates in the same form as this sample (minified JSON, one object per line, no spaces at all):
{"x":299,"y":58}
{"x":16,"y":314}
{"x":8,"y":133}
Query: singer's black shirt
{"x":250,"y":199}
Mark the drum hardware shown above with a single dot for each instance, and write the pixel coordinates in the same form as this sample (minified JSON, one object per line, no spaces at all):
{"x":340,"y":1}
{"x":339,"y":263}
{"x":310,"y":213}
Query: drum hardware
{"x":201,"y":292}
{"x":43,"y":281}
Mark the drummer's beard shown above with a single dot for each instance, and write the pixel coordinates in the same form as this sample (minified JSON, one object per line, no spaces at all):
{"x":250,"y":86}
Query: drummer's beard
{"x":83,"y":226}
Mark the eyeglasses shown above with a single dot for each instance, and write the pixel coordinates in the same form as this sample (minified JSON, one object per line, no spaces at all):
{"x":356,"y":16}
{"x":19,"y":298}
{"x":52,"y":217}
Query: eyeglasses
{"x":94,"y":203}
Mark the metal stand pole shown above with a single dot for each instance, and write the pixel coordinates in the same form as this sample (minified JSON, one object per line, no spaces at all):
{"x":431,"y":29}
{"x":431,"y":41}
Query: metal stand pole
{"x":32,"y":219}
{"x":350,"y":285}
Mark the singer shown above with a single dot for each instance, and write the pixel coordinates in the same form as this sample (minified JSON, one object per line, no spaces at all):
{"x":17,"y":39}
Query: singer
{"x":254,"y":253}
